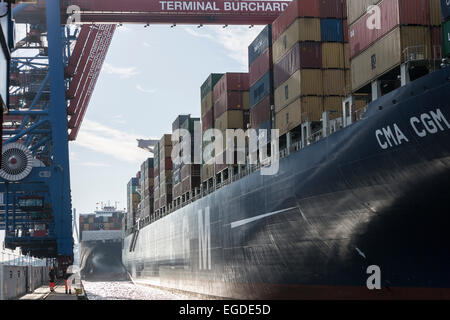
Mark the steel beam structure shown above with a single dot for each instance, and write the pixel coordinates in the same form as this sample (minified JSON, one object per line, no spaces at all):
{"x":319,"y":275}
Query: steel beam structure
{"x":36,"y":210}
{"x":237,"y":12}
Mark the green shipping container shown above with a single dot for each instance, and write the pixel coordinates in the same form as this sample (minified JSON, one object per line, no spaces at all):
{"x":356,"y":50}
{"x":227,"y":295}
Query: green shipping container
{"x":189,"y":124}
{"x":209,"y":84}
{"x":446,"y":40}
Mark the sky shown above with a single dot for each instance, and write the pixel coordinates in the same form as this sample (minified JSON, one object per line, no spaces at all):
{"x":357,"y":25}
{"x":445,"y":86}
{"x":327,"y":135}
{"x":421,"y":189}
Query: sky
{"x":150,"y":76}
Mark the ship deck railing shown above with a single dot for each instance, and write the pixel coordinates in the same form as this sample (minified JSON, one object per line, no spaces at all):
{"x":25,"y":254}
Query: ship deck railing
{"x":249,"y":169}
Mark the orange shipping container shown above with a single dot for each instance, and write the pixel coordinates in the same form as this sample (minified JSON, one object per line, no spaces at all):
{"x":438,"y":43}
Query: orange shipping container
{"x":207,"y":172}
{"x":303,"y":29}
{"x":435,"y":12}
{"x":302,"y":83}
{"x":333,"y":55}
{"x":333,"y":82}
{"x":389,"y":52}
{"x":309,"y":108}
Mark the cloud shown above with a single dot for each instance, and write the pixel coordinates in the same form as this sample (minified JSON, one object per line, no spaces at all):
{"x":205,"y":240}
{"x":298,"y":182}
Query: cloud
{"x":95,"y":164}
{"x":146,"y":44}
{"x":139,"y":87}
{"x":234,"y":39}
{"x":124,"y":73}
{"x":110,"y":141}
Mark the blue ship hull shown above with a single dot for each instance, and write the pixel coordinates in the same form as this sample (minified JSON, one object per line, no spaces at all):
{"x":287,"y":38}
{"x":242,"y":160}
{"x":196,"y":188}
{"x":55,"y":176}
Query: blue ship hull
{"x":375,"y":193}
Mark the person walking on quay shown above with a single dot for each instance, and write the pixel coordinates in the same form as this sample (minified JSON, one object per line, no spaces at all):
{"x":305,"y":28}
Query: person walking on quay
{"x":68,"y":282}
{"x":52,"y":278}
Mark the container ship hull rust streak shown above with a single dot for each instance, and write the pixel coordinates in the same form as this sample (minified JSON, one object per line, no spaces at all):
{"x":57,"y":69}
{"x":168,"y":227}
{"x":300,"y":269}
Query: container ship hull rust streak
{"x":373,"y":193}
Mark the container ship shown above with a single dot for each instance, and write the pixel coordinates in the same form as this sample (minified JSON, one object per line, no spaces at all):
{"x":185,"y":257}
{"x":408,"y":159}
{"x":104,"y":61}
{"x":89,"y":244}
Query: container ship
{"x":100,"y":249}
{"x":364,"y":171}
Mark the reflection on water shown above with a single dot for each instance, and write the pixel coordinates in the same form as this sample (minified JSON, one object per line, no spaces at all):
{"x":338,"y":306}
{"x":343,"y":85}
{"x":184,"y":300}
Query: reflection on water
{"x":125,"y":290}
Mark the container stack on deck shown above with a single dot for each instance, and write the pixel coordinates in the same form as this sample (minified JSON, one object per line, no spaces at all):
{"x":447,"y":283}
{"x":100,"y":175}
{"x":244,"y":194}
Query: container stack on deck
{"x":405,"y":35}
{"x":445,"y":6}
{"x":208,"y":121}
{"x":156,"y":189}
{"x":133,"y":200}
{"x":147,"y":190}
{"x":176,"y":180}
{"x":231,"y":111}
{"x":310,"y":55}
{"x":260,"y":60}
{"x":190,"y":173}
{"x":91,"y":222}
{"x":165,"y":172}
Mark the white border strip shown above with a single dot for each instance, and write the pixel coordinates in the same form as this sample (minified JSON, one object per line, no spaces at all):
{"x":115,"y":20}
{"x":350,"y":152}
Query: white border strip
{"x":262,"y":216}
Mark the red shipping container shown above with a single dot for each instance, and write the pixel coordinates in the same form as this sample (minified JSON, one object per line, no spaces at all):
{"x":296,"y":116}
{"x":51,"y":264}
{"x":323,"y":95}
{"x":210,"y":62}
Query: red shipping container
{"x":208,"y":120}
{"x":231,"y":82}
{"x":345,"y":30}
{"x":231,"y":100}
{"x":260,"y":113}
{"x":332,"y":9}
{"x":436,"y":42}
{"x":262,"y":65}
{"x":393,"y":13}
{"x":302,"y":55}
{"x":297,"y":8}
{"x":166,"y":165}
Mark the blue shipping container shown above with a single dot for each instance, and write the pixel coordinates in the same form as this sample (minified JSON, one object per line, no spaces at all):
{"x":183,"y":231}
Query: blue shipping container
{"x":260,"y":44}
{"x":331,"y":30}
{"x":261,"y":89}
{"x":445,"y":4}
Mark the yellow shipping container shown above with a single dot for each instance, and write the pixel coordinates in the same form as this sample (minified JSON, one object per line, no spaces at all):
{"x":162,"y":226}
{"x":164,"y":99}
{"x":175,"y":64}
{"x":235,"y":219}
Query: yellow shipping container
{"x":165,"y":153}
{"x":165,"y":176}
{"x":207,"y":172}
{"x":389,"y":52}
{"x":347,"y":56}
{"x":333,"y":55}
{"x":303,"y":29}
{"x":333,"y":104}
{"x":333,"y":82}
{"x":207,"y":103}
{"x":304,"y":82}
{"x":348,"y":82}
{"x":233,"y":119}
{"x":301,"y":110}
{"x":435,"y":13}
{"x":246,"y":100}
{"x":357,"y":8}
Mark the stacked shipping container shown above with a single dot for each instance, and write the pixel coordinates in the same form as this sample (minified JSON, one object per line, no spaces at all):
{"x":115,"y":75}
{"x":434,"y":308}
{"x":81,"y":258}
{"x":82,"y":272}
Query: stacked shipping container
{"x":147,"y":188}
{"x":231,"y":108}
{"x":133,"y":199}
{"x":156,"y":190}
{"x":208,"y":116}
{"x":176,"y":180}
{"x":445,"y":8}
{"x":405,"y":32}
{"x":165,"y":171}
{"x":92,"y":222}
{"x":260,"y":59}
{"x":311,"y":61}
{"x":190,"y":173}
